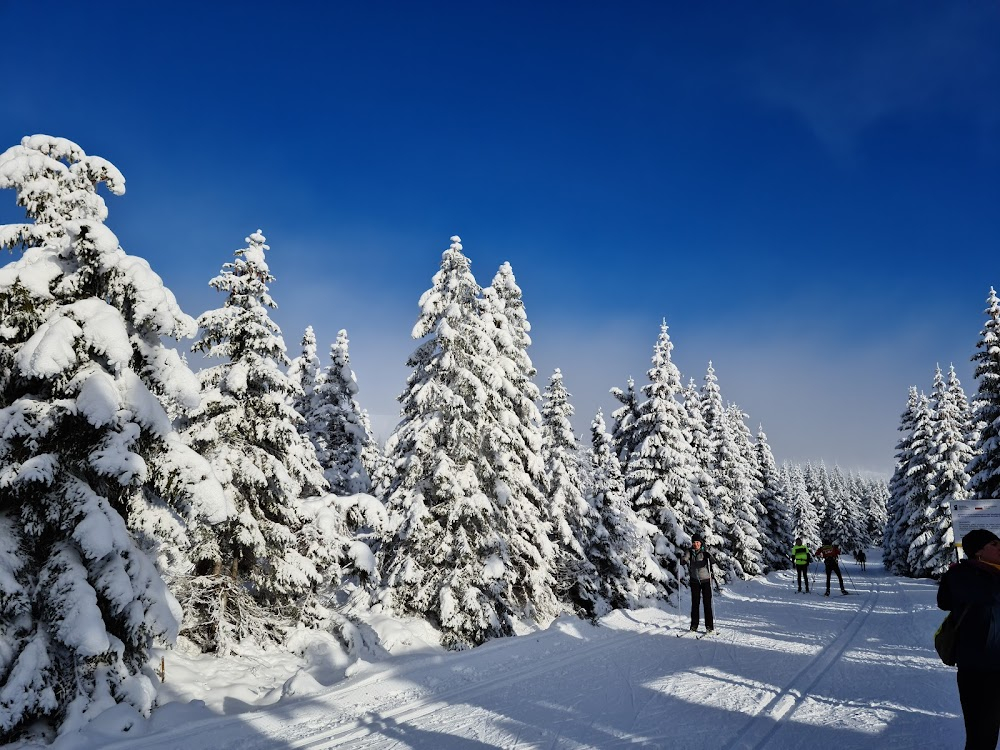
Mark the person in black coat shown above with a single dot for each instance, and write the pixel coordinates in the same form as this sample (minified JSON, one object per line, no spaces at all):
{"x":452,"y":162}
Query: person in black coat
{"x":700,"y":569}
{"x":971,"y":591}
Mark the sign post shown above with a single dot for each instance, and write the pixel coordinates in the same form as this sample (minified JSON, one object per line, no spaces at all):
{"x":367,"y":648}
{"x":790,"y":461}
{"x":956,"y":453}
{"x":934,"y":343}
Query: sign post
{"x":967,"y":515}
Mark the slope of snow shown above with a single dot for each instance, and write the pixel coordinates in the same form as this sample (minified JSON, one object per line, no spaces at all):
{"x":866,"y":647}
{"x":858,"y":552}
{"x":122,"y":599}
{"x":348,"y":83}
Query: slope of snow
{"x":785,"y":670}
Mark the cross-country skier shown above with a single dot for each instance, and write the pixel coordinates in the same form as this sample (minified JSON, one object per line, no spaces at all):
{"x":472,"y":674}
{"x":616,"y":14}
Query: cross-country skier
{"x":700,"y":567}
{"x":801,"y":558}
{"x":861,"y":558}
{"x":830,"y":553}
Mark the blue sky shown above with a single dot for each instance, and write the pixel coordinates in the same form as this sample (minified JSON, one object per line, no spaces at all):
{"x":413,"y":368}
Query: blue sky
{"x":808,"y":193}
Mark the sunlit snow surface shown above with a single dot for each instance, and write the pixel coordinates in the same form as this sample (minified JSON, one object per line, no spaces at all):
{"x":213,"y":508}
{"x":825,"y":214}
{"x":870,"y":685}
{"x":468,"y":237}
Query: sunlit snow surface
{"x":786,"y":670}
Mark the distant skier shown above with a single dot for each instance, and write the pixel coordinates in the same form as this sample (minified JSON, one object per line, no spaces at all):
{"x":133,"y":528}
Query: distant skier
{"x":830,"y":555}
{"x":861,"y":558}
{"x":801,"y":558}
{"x":700,"y":569}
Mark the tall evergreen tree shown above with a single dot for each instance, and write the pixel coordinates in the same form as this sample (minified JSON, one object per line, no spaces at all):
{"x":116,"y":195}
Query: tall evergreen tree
{"x":447,"y":554}
{"x":338,"y":427}
{"x":948,"y":456}
{"x":844,"y":512}
{"x":573,"y":519}
{"x":742,"y":477}
{"x":661,"y":468}
{"x":720,"y":461}
{"x":860,"y":493}
{"x":304,"y":374}
{"x":623,"y":430}
{"x":623,"y":555}
{"x":984,"y":468}
{"x":516,"y":447}
{"x":877,"y":494}
{"x":248,"y":429}
{"x":818,"y":486}
{"x":776,"y":523}
{"x":894,"y":541}
{"x":950,"y":450}
{"x":916,"y":524}
{"x":804,"y":513}
{"x":96,"y":489}
{"x":704,"y":485}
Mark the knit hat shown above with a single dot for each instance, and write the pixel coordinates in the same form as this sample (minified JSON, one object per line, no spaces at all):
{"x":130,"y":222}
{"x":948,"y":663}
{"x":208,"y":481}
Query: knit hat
{"x":697,"y":538}
{"x":975,"y":540}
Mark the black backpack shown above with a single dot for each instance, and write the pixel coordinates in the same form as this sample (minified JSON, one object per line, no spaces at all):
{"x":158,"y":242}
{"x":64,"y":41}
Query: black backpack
{"x":946,"y":638}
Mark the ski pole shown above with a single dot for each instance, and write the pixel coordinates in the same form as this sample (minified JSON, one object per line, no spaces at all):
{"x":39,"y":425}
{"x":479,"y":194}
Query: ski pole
{"x":853,"y":585}
{"x":678,"y":605}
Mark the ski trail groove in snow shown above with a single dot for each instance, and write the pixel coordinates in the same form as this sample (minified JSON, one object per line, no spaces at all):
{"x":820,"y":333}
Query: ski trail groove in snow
{"x":758,"y":732}
{"x":363,"y":725}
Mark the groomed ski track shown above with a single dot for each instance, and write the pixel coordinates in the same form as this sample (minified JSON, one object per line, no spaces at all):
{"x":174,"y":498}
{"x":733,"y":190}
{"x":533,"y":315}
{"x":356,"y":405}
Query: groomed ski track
{"x":784,"y":671}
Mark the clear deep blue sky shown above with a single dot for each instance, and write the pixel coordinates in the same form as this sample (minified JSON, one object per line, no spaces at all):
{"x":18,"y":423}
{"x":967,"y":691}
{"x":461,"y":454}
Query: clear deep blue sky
{"x":807,"y":192}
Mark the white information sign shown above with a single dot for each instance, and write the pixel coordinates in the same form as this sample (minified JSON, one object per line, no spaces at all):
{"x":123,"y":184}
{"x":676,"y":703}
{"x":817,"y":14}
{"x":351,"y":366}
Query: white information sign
{"x":967,"y":515}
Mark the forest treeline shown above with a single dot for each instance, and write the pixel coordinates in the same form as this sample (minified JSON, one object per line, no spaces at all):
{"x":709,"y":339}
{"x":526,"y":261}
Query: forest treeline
{"x":142,"y":502}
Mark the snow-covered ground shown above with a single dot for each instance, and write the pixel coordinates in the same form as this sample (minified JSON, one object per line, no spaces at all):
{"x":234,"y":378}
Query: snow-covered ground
{"x":786,"y":670}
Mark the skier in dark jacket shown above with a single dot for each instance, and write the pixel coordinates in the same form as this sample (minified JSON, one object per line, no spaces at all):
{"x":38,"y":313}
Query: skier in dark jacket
{"x":971,"y":590}
{"x":801,"y":558}
{"x":861,"y":558}
{"x":700,"y":568}
{"x":830,"y":555}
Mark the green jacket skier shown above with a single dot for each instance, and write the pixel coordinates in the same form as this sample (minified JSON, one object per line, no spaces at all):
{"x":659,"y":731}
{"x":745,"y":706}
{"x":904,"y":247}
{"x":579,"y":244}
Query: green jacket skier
{"x":801,"y":558}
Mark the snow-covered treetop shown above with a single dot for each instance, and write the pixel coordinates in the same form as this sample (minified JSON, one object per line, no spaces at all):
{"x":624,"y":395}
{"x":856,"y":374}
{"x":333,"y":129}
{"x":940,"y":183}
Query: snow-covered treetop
{"x":305,"y":369}
{"x":244,"y":325}
{"x":663,"y":370}
{"x":55,"y":182}
{"x":340,"y":363}
{"x":70,"y":254}
{"x":453,"y":284}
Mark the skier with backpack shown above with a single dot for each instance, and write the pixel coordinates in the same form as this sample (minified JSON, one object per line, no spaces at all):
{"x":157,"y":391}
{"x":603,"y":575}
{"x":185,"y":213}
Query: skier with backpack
{"x":970,"y":591}
{"x":830,"y":555}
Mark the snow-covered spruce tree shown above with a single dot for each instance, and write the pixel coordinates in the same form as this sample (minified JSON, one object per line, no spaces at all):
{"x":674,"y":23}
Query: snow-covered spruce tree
{"x":948,"y":456}
{"x":776,"y":523}
{"x":804,"y":514}
{"x":966,"y":413}
{"x":249,"y":431}
{"x":814,"y":489}
{"x":917,"y":523}
{"x":446,"y":555}
{"x":844,"y":512}
{"x":661,"y":468}
{"x":742,"y":477}
{"x":877,"y":495}
{"x":859,"y":492}
{"x":624,"y":419}
{"x":516,"y":448}
{"x":703,"y":485}
{"x":572,"y":517}
{"x":95,"y":488}
{"x":721,"y":457}
{"x":338,"y":428}
{"x":894,"y":541}
{"x":984,"y":468}
{"x":372,"y":456}
{"x":621,"y":552}
{"x":342,"y":529}
{"x":304,"y":374}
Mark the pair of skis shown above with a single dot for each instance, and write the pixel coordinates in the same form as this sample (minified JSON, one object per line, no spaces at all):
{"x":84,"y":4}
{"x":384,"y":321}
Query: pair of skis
{"x":698,"y":635}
